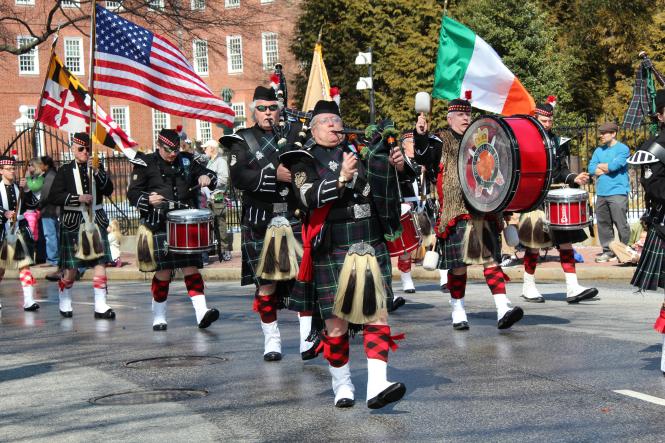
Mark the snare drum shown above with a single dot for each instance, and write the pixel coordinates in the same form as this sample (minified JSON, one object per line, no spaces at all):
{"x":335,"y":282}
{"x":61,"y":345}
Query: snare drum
{"x":190,"y":231}
{"x":410,"y":238}
{"x":505,"y":164}
{"x":567,"y":209}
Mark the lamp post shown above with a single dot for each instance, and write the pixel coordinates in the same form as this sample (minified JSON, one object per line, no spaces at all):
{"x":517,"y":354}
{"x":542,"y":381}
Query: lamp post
{"x":365,"y":58}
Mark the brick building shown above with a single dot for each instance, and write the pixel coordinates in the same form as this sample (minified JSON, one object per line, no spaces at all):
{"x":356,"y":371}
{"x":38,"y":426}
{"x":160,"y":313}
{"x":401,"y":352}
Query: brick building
{"x":241,"y":58}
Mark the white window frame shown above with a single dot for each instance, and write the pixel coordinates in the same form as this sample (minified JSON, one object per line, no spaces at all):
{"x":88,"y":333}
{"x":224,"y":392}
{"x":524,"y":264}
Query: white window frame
{"x":79,"y":41}
{"x":198,"y":5}
{"x":203,"y":131}
{"x":265,"y":2}
{"x":114,"y":5}
{"x":34,"y":54}
{"x":25,"y":2}
{"x":231,"y":3}
{"x":70,"y":3}
{"x":264,"y":49}
{"x":155,"y":129}
{"x":156,"y":5}
{"x":199,"y":60}
{"x":32,"y":111}
{"x":239,"y":109}
{"x":123,"y":124}
{"x":230,"y":55}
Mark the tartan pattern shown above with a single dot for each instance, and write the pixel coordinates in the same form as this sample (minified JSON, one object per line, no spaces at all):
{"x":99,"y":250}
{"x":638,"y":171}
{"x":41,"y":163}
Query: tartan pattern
{"x":495,"y":280}
{"x":266,"y":306}
{"x":194,"y":284}
{"x":640,"y":103}
{"x":336,"y":350}
{"x":68,"y":245}
{"x":451,"y":249}
{"x":530,"y":262}
{"x":170,"y":260}
{"x":159,"y":289}
{"x":404,"y":263}
{"x":567,"y":258}
{"x":328,"y":264}
{"x":650,"y":272}
{"x":382,"y":178}
{"x":456,"y":285}
{"x":377,"y":341}
{"x":659,"y":324}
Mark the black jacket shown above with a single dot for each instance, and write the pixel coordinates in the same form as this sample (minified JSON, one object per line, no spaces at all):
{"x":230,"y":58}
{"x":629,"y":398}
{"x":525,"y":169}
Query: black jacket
{"x":29,"y":202}
{"x":49,"y":210}
{"x":560,"y":171}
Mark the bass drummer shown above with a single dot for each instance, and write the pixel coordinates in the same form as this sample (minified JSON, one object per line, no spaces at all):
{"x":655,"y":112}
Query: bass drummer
{"x":531,"y":229}
{"x":163,"y":181}
{"x":454,"y":220}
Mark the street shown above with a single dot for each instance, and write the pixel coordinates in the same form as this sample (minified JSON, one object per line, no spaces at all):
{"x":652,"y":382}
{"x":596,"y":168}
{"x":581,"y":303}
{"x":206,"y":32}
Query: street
{"x":552,"y":377}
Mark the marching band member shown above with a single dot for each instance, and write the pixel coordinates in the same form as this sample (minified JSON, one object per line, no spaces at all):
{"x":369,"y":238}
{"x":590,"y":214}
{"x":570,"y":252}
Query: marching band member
{"x":410,"y":194}
{"x":651,"y":266}
{"x":352,"y":210}
{"x":170,"y":180}
{"x":532,"y":224}
{"x":17,"y":246}
{"x":269,"y":227}
{"x":455,"y":220}
{"x":83,"y":242}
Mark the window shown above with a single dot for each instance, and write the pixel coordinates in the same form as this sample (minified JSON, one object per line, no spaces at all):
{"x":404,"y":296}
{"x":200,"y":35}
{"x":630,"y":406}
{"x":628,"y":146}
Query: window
{"x":70,"y":3}
{"x":157,"y":5}
{"x":25,"y":2}
{"x":231,"y":3}
{"x":160,"y":120}
{"x":74,"y":55}
{"x":198,"y":5}
{"x":241,"y":120}
{"x":203,"y":131}
{"x":201,"y":57}
{"x":28,"y":63}
{"x":263,"y":2}
{"x":234,"y":53}
{"x":113,"y":5}
{"x":120,"y":115}
{"x":270,"y":50}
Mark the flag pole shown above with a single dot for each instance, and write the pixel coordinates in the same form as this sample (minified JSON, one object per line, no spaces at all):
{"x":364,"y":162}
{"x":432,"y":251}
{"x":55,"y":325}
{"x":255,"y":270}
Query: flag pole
{"x":39,"y":103}
{"x":445,"y":8}
{"x":93,"y":113}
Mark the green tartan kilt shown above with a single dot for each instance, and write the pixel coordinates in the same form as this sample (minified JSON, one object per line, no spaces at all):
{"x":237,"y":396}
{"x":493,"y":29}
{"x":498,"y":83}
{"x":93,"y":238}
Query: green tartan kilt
{"x":451,"y":249}
{"x":170,"y":260}
{"x":650,"y":272}
{"x":328,"y":265}
{"x":68,"y":245}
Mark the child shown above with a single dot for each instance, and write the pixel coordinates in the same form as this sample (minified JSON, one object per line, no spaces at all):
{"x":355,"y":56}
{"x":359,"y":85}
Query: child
{"x":115,"y":237}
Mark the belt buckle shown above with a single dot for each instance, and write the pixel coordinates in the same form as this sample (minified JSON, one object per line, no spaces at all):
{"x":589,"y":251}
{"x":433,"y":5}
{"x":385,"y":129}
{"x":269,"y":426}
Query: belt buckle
{"x":361,"y":211}
{"x":280,"y":208}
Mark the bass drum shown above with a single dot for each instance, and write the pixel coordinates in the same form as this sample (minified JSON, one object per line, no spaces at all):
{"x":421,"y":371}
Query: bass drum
{"x":505,"y":164}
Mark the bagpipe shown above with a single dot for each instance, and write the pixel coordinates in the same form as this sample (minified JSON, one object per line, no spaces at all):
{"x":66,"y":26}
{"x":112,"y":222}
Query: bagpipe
{"x":643,"y":101}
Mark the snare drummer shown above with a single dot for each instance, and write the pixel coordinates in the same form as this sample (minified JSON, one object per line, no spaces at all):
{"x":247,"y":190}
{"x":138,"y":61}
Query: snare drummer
{"x":72,"y":191}
{"x":170,"y":180}
{"x":454,"y":218}
{"x":563,"y":240}
{"x":410,"y":196}
{"x":266,"y":184}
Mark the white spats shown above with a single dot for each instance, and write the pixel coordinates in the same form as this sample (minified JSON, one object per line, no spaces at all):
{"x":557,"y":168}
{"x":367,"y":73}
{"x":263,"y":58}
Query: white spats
{"x":529,"y":290}
{"x":100,"y":300}
{"x":407,"y":281}
{"x":502,"y":305}
{"x":272,"y":339}
{"x":158,"y":313}
{"x":341,"y":382}
{"x":305,"y":329}
{"x":200,"y":306}
{"x":28,"y":296}
{"x":377,"y":379}
{"x":65,"y":300}
{"x":443,"y":277}
{"x":459,"y":313}
{"x":573,"y":288}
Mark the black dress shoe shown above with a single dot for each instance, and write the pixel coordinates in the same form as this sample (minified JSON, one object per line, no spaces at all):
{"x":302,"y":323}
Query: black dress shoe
{"x":540,"y":299}
{"x":510,"y":318}
{"x":272,"y":356}
{"x":66,"y":314}
{"x":391,"y":394}
{"x":32,"y":307}
{"x":211,"y":316}
{"x":312,"y":352}
{"x":345,"y":403}
{"x":159,"y":327}
{"x":461,"y":326}
{"x":108,"y":315}
{"x":584,"y":295}
{"x":398,"y":303}
{"x":409,"y":291}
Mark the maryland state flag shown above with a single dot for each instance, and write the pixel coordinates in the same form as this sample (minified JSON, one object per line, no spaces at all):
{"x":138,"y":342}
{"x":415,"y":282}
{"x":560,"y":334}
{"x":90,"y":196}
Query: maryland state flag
{"x":65,"y":104}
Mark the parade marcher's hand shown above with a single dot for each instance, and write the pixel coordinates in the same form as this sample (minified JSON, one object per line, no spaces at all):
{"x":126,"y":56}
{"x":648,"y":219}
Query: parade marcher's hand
{"x":421,"y":124}
{"x":21,"y":183}
{"x":283,"y":174}
{"x":582,"y":178}
{"x":155,"y":199}
{"x":204,"y":181}
{"x":9,"y":215}
{"x":349,"y":166}
{"x":85,"y":198}
{"x":397,"y":159}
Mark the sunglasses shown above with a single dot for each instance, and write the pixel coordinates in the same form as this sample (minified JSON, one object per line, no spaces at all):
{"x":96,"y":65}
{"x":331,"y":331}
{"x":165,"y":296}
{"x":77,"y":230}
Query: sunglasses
{"x":262,"y":108}
{"x":169,"y":150}
{"x":83,"y":148}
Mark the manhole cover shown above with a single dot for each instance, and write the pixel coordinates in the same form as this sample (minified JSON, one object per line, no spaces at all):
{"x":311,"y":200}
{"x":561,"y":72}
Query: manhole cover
{"x":146,"y":397}
{"x":175,"y":361}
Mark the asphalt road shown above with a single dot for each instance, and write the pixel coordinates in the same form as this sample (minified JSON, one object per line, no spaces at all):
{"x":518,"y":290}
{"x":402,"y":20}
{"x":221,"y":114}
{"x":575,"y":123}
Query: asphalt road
{"x":552,"y":377}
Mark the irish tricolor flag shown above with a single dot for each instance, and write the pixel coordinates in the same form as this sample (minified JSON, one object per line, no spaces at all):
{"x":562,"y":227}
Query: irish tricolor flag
{"x":466,"y":62}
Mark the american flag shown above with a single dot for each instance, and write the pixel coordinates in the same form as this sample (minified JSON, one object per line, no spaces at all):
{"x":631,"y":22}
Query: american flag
{"x":135,"y":64}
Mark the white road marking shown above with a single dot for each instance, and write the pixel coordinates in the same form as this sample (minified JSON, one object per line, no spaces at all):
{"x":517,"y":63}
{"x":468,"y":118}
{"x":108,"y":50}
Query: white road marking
{"x":644,"y":397}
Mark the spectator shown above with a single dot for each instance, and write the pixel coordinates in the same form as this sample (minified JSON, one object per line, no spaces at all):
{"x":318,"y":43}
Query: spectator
{"x":115,"y":238}
{"x":217,"y":201}
{"x":608,"y":164}
{"x":49,"y":212}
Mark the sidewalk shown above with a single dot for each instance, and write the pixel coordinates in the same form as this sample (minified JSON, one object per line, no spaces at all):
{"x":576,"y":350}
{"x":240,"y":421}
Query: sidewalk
{"x":549,"y":269}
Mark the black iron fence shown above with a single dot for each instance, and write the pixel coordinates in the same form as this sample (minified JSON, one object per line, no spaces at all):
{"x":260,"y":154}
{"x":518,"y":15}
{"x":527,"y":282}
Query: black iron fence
{"x":583,"y":141}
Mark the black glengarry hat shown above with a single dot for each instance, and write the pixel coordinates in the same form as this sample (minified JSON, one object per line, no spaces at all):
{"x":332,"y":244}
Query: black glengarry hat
{"x":169,"y":137}
{"x":325,"y":107}
{"x":263,"y":93}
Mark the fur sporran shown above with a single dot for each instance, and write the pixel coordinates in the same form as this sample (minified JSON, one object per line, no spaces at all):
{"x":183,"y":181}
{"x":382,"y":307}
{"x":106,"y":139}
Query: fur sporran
{"x":145,"y":250}
{"x":90,"y":245}
{"x":279,"y":257}
{"x":478,"y":242}
{"x":532,"y":230}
